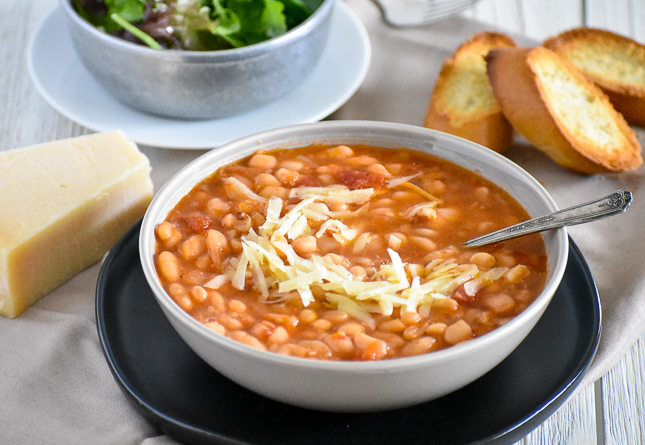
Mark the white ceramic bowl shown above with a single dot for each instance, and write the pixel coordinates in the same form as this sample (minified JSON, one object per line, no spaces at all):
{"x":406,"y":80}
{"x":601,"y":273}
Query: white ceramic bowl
{"x":200,"y":84}
{"x":358,"y":386}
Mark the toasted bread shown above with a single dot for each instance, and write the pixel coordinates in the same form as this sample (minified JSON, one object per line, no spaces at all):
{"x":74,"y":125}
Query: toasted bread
{"x":462,"y":102}
{"x":613,"y":62}
{"x":561,"y":112}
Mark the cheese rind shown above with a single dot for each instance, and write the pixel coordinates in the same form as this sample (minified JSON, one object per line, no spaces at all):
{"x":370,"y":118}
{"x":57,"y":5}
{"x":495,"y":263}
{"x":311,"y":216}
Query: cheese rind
{"x":63,"y":205}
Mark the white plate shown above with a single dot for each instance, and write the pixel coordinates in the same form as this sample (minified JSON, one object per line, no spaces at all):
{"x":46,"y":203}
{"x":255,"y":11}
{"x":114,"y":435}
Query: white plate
{"x":63,"y":81}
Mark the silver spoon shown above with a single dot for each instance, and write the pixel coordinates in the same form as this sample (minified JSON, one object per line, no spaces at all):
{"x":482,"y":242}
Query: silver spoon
{"x":609,"y":205}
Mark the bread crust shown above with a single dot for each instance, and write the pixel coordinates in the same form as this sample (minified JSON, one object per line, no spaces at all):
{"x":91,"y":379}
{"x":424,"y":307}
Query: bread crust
{"x":581,"y":45}
{"x":485,"y":125}
{"x":523,"y":99}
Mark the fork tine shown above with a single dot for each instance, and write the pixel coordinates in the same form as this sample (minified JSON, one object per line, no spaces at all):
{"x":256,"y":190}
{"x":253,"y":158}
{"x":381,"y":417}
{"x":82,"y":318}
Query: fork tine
{"x":436,"y":13}
{"x":403,"y":13}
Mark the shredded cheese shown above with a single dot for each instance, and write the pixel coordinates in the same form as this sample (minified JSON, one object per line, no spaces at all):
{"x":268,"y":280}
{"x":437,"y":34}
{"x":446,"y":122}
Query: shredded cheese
{"x":427,"y":209}
{"x":299,"y":227}
{"x":242,"y":188}
{"x":272,"y":267}
{"x":216,"y":282}
{"x":391,"y":183}
{"x":343,"y":214}
{"x":399,"y":270}
{"x":473,"y":286}
{"x":274,"y":208}
{"x":362,"y":241}
{"x":314,"y":215}
{"x":239,"y":279}
{"x":419,"y":190}
{"x":333,"y":194}
{"x":351,"y":307}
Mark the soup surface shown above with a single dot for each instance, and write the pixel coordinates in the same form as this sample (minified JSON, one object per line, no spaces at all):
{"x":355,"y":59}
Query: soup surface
{"x":347,"y":253}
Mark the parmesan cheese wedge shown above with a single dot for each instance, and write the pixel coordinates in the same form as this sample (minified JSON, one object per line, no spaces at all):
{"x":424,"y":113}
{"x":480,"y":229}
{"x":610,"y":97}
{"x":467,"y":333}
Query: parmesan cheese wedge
{"x":63,"y":205}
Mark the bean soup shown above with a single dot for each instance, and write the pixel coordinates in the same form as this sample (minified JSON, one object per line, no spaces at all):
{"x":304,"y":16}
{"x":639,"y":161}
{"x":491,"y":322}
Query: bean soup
{"x":347,"y":253}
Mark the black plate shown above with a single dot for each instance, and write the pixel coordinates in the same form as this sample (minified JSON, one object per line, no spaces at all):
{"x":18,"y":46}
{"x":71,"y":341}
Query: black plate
{"x":186,"y":399}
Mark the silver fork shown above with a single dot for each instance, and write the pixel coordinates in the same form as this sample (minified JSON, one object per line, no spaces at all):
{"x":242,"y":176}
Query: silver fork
{"x":420,"y":12}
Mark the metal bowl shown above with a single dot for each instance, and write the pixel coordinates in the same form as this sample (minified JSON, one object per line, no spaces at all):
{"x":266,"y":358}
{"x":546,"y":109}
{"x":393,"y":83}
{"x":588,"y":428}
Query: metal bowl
{"x":200,"y":84}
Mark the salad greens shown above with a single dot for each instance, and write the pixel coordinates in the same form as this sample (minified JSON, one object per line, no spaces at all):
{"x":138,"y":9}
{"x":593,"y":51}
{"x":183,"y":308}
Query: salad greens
{"x":145,"y":38}
{"x":197,"y":25}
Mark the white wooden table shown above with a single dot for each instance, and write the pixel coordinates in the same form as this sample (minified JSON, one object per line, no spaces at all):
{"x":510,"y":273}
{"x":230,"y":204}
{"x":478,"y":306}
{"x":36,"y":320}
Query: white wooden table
{"x":612,"y":411}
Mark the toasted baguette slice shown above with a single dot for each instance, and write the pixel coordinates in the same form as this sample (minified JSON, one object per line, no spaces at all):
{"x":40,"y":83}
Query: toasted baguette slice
{"x":462,"y":102}
{"x":613,"y":62}
{"x":561,"y":112}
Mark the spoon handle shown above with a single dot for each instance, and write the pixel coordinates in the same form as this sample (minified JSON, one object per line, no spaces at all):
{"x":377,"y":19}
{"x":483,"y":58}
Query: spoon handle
{"x":609,"y":205}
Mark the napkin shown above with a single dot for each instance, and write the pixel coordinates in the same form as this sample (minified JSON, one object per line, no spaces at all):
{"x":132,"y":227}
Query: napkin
{"x":55,"y":385}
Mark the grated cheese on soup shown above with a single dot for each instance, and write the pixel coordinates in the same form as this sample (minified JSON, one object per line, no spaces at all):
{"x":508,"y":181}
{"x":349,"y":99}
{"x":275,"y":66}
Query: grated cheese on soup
{"x":267,"y":257}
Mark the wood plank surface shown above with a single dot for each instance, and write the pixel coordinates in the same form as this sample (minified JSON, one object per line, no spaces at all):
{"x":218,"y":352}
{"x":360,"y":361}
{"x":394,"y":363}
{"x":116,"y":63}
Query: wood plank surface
{"x":534,"y":19}
{"x":623,"y":391}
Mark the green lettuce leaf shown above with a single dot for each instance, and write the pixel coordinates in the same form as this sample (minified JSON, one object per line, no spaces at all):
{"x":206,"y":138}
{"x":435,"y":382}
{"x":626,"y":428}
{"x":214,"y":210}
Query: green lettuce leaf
{"x":131,"y":10}
{"x":260,"y":20}
{"x":200,"y":27}
{"x":209,"y":24}
{"x":297,"y":11}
